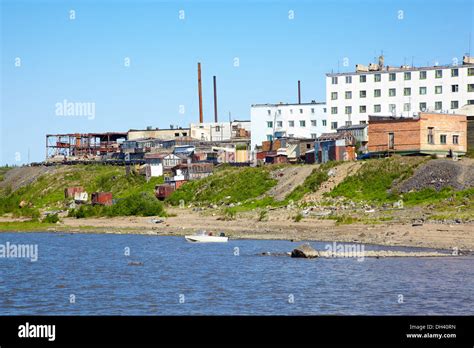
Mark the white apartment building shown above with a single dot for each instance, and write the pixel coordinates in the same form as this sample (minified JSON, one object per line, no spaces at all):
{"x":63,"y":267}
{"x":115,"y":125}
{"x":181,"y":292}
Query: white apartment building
{"x":220,"y":131}
{"x":398,"y":91}
{"x":270,"y":121}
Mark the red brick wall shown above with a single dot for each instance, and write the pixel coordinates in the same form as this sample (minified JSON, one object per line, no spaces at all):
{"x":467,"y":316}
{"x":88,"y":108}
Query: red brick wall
{"x":407,"y":135}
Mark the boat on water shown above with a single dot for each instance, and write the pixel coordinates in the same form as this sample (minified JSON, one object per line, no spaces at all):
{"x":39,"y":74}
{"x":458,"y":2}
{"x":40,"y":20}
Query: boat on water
{"x":204,"y":237}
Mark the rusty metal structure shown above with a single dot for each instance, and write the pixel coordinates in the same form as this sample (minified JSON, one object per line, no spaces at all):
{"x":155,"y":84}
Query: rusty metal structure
{"x":201,"y":119}
{"x":83,"y":145}
{"x":215,"y":99}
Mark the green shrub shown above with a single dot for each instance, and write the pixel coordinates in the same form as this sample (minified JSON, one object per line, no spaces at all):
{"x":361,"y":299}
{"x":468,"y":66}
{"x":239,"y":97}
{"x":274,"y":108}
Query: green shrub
{"x":51,"y":218}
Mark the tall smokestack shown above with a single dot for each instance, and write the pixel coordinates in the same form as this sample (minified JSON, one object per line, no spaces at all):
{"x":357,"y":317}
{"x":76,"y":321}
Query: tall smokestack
{"x":200,"y":93}
{"x":215,"y":100}
{"x":299,"y":92}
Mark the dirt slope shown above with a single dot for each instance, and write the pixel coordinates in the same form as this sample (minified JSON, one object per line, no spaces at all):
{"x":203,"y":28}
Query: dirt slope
{"x":22,"y":176}
{"x":288,"y":179}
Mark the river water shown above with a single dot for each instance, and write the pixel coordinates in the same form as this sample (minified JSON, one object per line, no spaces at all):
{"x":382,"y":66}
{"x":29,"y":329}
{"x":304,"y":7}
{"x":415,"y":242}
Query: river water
{"x":108,"y":274}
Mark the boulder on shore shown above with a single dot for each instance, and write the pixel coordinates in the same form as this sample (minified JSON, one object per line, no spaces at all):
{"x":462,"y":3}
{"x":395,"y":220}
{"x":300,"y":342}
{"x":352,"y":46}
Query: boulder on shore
{"x":305,"y":251}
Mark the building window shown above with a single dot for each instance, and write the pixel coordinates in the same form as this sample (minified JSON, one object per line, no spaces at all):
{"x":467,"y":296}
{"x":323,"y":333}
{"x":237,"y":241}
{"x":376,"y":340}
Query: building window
{"x":470,"y":102}
{"x":348,"y":123}
{"x":348,"y":79}
{"x":442,"y":139}
{"x":291,"y":135}
{"x":279,"y":123}
{"x":325,"y":123}
{"x":313,"y":123}
{"x":454,"y":88}
{"x":392,"y":77}
{"x":377,"y":92}
{"x":392,"y":108}
{"x":348,"y":95}
{"x":348,"y":110}
{"x":470,"y":71}
{"x":291,"y":111}
{"x":430,"y":135}
{"x":302,"y":123}
{"x":269,"y":112}
{"x":454,"y":104}
{"x":470,"y":87}
{"x":334,"y":110}
{"x":363,"y":122}
{"x":333,"y":125}
{"x":291,"y":123}
{"x":438,"y":105}
{"x":313,"y":136}
{"x":377,"y":108}
{"x":391,"y":141}
{"x":407,"y":91}
{"x":312,"y":110}
{"x":422,"y":90}
{"x":422,"y":75}
{"x":422,"y":106}
{"x":333,"y":95}
{"x":363,"y":94}
{"x":218,"y":128}
{"x":455,"y":139}
{"x":334,"y":80}
{"x":407,"y":76}
{"x":362,"y":78}
{"x":279,"y":111}
{"x":406,"y":107}
{"x":392,"y":92}
{"x":377,"y":77}
{"x":438,"y":74}
{"x":454,"y":72}
{"x":362,"y":109}
{"x":438,"y":89}
{"x":269,"y":137}
{"x":269,"y":124}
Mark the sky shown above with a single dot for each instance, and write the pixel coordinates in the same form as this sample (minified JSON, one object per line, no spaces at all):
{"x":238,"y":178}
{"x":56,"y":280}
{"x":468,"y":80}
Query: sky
{"x":135,"y":62}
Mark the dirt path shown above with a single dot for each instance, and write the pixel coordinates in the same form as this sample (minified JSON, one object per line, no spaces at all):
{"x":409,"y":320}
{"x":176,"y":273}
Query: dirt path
{"x":288,"y":179}
{"x":22,"y":176}
{"x":339,"y":173}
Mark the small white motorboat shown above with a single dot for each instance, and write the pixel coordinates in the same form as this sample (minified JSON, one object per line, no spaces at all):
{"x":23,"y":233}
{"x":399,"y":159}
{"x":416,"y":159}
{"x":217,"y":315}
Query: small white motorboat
{"x":204,"y":237}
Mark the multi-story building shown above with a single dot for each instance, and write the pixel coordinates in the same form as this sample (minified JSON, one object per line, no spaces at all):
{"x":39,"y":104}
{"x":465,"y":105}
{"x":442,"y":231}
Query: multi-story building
{"x":220,"y":131}
{"x":271,"y":121}
{"x":397,"y":91}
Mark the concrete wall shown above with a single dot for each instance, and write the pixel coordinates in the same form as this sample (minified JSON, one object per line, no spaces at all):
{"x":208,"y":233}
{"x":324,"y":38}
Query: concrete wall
{"x":443,"y":124}
{"x":164,"y":134}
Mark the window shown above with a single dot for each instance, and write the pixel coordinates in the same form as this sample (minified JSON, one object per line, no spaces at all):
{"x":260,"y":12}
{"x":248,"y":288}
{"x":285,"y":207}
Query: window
{"x":348,"y":123}
{"x":455,"y":139}
{"x":377,"y":77}
{"x":333,"y":95}
{"x":312,"y":110}
{"x":270,"y":124}
{"x":362,"y":109}
{"x":470,"y":87}
{"x":363,"y":78}
{"x":269,"y":112}
{"x":438,"y":74}
{"x":470,"y":102}
{"x":324,"y":110}
{"x":430,"y":135}
{"x":377,"y":108}
{"x":291,"y":123}
{"x":301,"y":111}
{"x":377,"y":92}
{"x":422,"y":90}
{"x":363,"y":94}
{"x":470,"y":71}
{"x":348,"y":110}
{"x":438,"y":89}
{"x":348,"y":95}
{"x":454,"y":104}
{"x":392,"y":92}
{"x":291,"y":111}
{"x":392,"y":77}
{"x":422,"y":106}
{"x":279,"y":111}
{"x":438,"y":105}
{"x":422,"y":75}
{"x":407,"y":76}
{"x":442,"y":138}
{"x":363,"y":122}
{"x":313,"y":123}
{"x":176,"y":134}
{"x":391,"y":141}
{"x":302,"y":123}
{"x":407,"y":91}
{"x":279,"y":123}
{"x":313,"y":136}
{"x":406,"y":107}
{"x":218,"y":128}
{"x":348,"y":79}
{"x":334,"y":110}
{"x":334,"y":80}
{"x":454,"y":88}
{"x":325,"y":123}
{"x":269,"y":137}
{"x":454,"y":72}
{"x":333,"y":125}
{"x":291,"y":135}
{"x":392,"y":108}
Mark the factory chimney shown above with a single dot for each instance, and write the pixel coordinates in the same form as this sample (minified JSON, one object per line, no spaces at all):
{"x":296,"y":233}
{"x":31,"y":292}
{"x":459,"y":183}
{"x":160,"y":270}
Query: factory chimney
{"x":200,"y":93}
{"x":215,"y":100}
{"x":299,"y":92}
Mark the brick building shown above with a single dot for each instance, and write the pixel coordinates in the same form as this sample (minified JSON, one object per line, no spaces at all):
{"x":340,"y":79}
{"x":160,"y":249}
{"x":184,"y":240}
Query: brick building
{"x":426,"y":133}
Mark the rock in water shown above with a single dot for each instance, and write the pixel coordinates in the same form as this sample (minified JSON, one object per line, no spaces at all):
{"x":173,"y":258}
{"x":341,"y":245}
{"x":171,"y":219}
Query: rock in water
{"x":305,"y":251}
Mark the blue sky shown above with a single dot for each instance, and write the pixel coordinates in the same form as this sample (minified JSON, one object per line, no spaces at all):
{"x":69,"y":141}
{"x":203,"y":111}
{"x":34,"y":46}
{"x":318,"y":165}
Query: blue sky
{"x":82,"y":60}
